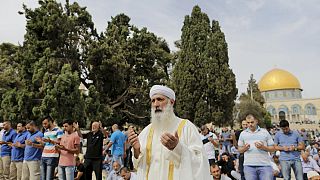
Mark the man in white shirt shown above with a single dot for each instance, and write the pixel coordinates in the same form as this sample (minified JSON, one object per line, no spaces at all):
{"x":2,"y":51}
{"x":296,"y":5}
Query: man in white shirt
{"x":127,"y":175}
{"x":209,"y":140}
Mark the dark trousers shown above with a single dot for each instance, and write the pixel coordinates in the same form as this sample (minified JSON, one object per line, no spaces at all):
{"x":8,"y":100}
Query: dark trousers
{"x":91,"y":165}
{"x":241,"y":160}
{"x":128,"y":160}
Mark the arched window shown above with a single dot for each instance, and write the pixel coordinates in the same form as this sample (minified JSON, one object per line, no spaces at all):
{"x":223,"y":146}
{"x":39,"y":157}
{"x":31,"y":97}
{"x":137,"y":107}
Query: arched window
{"x":283,"y":108}
{"x":271,"y":110}
{"x":296,"y":109}
{"x":310,"y":109}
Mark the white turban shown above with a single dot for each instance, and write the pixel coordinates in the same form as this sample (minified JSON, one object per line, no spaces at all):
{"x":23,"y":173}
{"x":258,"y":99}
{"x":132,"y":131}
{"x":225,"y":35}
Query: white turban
{"x":163,"y":90}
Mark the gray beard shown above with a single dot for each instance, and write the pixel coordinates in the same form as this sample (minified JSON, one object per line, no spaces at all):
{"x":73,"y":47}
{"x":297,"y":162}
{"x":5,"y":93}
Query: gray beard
{"x":161,"y":121}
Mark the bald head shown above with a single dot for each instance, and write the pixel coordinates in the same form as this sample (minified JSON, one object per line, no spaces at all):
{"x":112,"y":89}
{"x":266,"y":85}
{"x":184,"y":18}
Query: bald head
{"x":95,"y":127}
{"x":115,"y":127}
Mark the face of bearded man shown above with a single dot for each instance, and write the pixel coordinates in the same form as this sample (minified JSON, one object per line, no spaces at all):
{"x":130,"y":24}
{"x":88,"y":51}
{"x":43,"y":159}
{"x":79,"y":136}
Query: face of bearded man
{"x":161,"y":117}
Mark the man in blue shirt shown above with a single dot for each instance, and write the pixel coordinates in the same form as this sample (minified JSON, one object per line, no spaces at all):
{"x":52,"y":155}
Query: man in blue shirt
{"x":7,"y":139}
{"x":17,"y":152}
{"x":117,"y":141}
{"x":289,"y":143}
{"x":32,"y":153}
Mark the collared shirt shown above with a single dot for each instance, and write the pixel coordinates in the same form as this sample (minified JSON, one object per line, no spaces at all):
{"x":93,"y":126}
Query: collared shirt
{"x":292,"y":138}
{"x":32,"y":153}
{"x":114,"y":176}
{"x":311,"y":165}
{"x":118,"y":139}
{"x":49,"y":149}
{"x":8,"y":136}
{"x":17,"y":153}
{"x":255,"y":156}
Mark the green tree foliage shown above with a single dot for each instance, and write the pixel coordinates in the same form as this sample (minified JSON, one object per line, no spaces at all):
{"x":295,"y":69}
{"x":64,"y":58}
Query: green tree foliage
{"x":203,"y":81}
{"x":253,"y":105}
{"x":64,"y":100}
{"x":253,"y":90}
{"x":126,"y":62}
{"x":55,"y":35}
{"x":13,"y":96}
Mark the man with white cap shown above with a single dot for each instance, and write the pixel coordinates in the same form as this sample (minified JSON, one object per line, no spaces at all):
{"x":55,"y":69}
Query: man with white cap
{"x":169,"y":147}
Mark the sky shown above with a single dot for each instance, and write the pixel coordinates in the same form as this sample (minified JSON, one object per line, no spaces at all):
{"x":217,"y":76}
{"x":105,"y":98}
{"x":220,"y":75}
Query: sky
{"x":261,"y":34}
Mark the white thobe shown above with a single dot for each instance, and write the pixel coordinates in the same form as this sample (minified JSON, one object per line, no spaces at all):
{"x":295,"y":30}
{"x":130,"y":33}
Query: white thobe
{"x":189,"y":158}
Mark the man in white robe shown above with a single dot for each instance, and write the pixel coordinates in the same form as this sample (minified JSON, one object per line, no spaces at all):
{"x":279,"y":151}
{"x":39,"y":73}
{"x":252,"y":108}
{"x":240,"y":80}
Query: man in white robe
{"x":168,"y":140}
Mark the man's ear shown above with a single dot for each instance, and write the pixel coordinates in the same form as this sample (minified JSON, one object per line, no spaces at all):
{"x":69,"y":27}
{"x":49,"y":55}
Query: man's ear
{"x":172,"y":101}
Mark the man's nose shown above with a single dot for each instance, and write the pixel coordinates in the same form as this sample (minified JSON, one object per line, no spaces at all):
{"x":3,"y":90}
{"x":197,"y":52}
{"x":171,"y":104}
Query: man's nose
{"x":156,"y":103}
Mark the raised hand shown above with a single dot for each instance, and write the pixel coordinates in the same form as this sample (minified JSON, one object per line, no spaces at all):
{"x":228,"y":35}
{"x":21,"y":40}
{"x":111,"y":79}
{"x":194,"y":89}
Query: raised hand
{"x":170,"y":141}
{"x":133,"y":139}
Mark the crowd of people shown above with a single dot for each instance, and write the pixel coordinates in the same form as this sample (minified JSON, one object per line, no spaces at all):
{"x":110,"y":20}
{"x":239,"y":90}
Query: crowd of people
{"x":168,"y":148}
{"x":257,"y":153}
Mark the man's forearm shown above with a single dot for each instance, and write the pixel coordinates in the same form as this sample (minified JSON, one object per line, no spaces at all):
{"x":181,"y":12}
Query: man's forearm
{"x":278,"y":148}
{"x":39,"y":146}
{"x":136,"y":153}
{"x":269,"y":148}
{"x":241,"y":149}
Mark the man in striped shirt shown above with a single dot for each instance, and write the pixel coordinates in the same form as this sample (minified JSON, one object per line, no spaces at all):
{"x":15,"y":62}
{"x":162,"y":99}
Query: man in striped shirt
{"x":256,"y":143}
{"x":50,"y":156}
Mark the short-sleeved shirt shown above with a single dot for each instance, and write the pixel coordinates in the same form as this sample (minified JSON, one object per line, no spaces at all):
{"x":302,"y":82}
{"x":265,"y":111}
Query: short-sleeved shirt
{"x":8,"y":136}
{"x":69,"y":141}
{"x":32,"y":153}
{"x":226,"y":135}
{"x":17,"y":153}
{"x":208,"y":146}
{"x":49,"y":149}
{"x":255,"y":156}
{"x":292,"y":138}
{"x":118,"y":139}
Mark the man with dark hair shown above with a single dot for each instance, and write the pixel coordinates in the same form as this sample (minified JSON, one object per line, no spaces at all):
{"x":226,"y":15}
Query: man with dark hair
{"x":244,"y":126}
{"x":17,"y":152}
{"x":256,"y":143}
{"x":289,"y":143}
{"x":126,"y":174}
{"x":32,"y":153}
{"x":226,"y":163}
{"x":68,"y":147}
{"x":93,"y":156}
{"x":216,"y":173}
{"x":209,"y":140}
{"x":79,"y":170}
{"x":8,"y":136}
{"x":50,"y":156}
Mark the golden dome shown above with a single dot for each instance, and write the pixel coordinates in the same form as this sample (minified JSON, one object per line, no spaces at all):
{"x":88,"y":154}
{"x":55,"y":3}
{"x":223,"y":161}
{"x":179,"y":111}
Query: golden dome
{"x":278,"y":79}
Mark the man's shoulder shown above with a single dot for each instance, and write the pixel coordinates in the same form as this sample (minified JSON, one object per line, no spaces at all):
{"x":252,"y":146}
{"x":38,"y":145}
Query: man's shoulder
{"x":39,"y":133}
